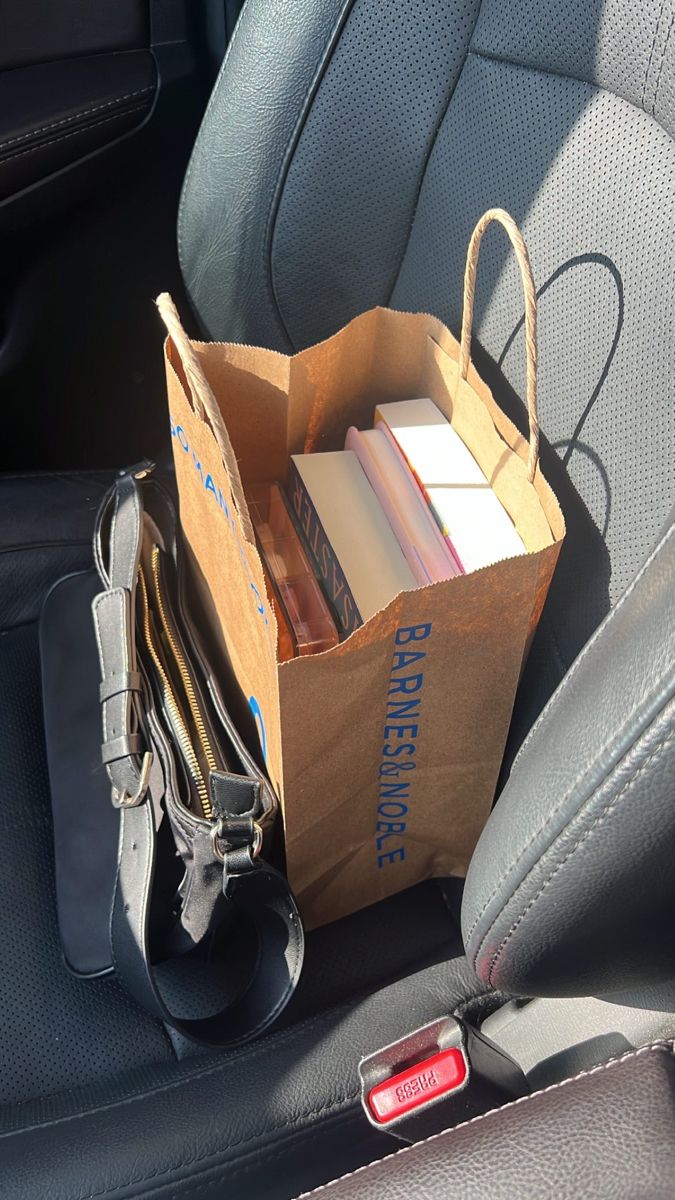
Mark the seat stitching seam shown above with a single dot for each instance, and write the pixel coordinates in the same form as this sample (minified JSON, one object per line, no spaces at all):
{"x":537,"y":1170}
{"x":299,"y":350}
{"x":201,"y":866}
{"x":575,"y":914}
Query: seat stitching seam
{"x":330,"y":47}
{"x":24,"y":547}
{"x":11,"y":158}
{"x":461,"y":1009}
{"x":248,"y":1163}
{"x":432,"y":146}
{"x":654,"y":1047}
{"x":599,"y":88}
{"x":212,"y":100}
{"x":611,"y":804}
{"x":66,"y":473}
{"x":651,"y":52}
{"x":555,"y":699}
{"x":564,"y":666}
{"x":607,"y":620}
{"x":663,"y":59}
{"x":76,"y":116}
{"x":235,"y":1055}
{"x":656,"y":28}
{"x":585,"y":800}
{"x":292,"y":1124}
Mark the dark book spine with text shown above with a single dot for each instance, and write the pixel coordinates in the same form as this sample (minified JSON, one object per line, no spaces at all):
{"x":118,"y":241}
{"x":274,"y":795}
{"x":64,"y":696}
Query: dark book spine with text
{"x":322,"y":556}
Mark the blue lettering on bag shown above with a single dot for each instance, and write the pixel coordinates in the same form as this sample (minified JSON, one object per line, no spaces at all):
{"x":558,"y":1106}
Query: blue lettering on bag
{"x":208,"y":483}
{"x":260,"y":724}
{"x":399,"y":745}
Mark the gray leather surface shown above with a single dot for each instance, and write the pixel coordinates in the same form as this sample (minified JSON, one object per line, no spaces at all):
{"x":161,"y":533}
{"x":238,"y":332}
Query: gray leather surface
{"x":553,"y":1038}
{"x":608,"y":1133}
{"x":267,"y":1120}
{"x":625,"y":48}
{"x":273,"y":64}
{"x":350,"y":191}
{"x":571,"y":888}
{"x":591,"y":181}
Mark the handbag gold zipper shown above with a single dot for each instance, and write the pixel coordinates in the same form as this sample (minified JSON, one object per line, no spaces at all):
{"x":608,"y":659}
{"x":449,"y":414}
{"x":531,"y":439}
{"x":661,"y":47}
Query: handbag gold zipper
{"x":178,"y":722}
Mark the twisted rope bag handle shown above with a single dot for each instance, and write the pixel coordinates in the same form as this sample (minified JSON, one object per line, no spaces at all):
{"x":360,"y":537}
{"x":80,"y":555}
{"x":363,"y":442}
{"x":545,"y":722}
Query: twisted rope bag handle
{"x":516,"y":238}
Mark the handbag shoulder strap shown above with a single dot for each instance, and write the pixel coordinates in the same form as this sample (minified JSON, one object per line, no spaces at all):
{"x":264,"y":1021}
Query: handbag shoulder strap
{"x":260,"y":894}
{"x":253,"y":889}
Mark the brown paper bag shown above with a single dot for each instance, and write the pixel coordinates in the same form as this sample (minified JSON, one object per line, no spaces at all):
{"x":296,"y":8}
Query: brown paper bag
{"x":386,"y":749}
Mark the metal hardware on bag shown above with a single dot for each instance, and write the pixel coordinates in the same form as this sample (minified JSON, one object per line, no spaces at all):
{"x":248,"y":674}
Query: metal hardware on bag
{"x":125,"y":799}
{"x":141,"y":471}
{"x":436,"y":1077}
{"x":221,"y":845}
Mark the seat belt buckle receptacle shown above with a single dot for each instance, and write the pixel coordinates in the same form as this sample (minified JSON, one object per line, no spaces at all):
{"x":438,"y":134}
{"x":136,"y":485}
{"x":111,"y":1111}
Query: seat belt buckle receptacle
{"x":436,"y":1077}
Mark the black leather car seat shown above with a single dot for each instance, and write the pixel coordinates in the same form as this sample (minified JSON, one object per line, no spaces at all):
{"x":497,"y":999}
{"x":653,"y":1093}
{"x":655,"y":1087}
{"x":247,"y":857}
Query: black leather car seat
{"x":575,"y":1138}
{"x":346,"y":154}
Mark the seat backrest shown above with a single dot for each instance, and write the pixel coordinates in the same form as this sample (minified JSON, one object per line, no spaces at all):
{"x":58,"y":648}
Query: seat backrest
{"x":345,"y":156}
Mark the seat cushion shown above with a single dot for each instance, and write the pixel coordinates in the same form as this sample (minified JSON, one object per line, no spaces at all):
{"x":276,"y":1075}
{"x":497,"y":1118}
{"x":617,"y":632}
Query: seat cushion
{"x":58,"y":1031}
{"x":46,"y":525}
{"x":606,"y":1133}
{"x":80,"y":1054}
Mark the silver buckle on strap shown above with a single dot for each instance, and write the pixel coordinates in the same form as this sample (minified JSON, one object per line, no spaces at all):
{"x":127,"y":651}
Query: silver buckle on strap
{"x":127,"y":799}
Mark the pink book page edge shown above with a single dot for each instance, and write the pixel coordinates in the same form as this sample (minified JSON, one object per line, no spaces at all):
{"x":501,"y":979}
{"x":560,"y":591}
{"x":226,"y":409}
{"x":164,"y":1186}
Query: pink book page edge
{"x":426,"y":550}
{"x":444,"y":540}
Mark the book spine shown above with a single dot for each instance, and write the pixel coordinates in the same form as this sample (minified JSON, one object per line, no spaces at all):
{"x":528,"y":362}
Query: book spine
{"x":322,"y":556}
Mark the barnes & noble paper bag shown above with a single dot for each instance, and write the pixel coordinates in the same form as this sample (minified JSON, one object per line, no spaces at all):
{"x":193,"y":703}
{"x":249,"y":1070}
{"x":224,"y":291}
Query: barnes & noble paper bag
{"x":386,"y":749}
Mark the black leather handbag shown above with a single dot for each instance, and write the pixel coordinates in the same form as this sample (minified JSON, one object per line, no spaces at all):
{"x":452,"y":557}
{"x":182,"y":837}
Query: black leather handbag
{"x":203,"y":930}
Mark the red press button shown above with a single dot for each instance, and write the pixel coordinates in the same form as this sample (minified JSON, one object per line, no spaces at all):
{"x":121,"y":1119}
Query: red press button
{"x":400,"y":1094}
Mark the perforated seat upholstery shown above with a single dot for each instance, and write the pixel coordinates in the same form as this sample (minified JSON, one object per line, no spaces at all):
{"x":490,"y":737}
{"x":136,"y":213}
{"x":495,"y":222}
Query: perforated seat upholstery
{"x":347,"y":152}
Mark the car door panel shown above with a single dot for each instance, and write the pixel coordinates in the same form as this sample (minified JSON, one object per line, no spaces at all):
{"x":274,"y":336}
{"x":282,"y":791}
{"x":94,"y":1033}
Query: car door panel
{"x":99,"y":107}
{"x":53,"y":113}
{"x":42,"y":30}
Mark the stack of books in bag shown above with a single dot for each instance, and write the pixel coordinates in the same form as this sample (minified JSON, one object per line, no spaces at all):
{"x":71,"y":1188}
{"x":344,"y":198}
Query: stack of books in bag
{"x":405,"y":504}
